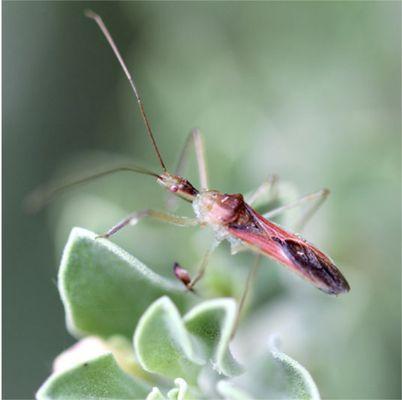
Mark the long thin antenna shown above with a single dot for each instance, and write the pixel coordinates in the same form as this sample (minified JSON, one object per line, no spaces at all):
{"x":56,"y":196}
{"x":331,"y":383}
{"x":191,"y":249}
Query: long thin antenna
{"x":108,"y":36}
{"x":41,"y":196}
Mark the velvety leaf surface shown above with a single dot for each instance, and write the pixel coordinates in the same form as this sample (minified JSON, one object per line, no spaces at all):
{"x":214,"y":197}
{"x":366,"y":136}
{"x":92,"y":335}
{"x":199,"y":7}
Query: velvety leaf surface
{"x":104,"y":289}
{"x":172,"y":346}
{"x":212,"y":322}
{"x":276,"y":376}
{"x":162,"y":343}
{"x":297,"y":381}
{"x":100,"y":378}
{"x":108,"y":293}
{"x":230,"y":392}
{"x":155,"y":394}
{"x":181,"y":392}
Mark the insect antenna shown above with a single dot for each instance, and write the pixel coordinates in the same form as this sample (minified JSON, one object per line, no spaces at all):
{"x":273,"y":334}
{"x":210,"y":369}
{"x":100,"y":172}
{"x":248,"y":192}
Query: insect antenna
{"x":41,"y":196}
{"x":90,"y":14}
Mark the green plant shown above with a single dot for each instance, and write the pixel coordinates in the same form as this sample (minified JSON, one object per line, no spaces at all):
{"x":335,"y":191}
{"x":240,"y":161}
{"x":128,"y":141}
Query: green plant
{"x":141,"y":336}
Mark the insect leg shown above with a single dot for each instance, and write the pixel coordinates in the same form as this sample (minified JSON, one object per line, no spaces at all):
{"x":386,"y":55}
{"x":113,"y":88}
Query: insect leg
{"x":194,"y":137}
{"x":203,"y":265}
{"x":318,"y":197}
{"x":133,"y":218}
{"x":250,"y":279}
{"x":268,"y":186}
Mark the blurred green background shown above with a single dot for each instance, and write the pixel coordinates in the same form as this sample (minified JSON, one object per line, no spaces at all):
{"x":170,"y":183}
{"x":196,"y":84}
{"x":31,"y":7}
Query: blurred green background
{"x":307,"y":90}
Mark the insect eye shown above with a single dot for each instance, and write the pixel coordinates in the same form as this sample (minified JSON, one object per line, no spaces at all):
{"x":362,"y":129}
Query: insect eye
{"x":181,"y":186}
{"x":174,"y":188}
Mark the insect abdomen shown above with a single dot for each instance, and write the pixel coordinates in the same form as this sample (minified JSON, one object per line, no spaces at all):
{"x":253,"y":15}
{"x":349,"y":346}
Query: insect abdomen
{"x":316,"y":266}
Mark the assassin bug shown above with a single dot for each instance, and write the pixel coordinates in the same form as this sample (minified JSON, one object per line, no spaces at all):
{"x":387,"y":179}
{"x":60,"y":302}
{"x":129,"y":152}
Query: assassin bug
{"x":231,"y":217}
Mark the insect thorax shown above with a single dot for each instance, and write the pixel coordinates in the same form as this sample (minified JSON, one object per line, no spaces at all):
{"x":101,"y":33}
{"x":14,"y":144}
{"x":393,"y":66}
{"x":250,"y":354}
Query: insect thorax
{"x":219,"y":210}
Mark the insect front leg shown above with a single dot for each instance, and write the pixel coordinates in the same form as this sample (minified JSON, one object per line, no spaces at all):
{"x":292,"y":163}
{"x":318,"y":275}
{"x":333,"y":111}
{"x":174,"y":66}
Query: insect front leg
{"x":133,"y":218}
{"x":317,"y":198}
{"x":182,"y":274}
{"x":193,"y":138}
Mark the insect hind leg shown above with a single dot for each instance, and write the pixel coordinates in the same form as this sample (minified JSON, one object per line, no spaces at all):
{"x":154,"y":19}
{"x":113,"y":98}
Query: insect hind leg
{"x":269,"y":186}
{"x":318,"y":198}
{"x":250,"y":279}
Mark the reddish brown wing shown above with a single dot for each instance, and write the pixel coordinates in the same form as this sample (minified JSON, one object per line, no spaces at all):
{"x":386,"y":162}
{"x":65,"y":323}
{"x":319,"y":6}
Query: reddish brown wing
{"x":291,"y":251}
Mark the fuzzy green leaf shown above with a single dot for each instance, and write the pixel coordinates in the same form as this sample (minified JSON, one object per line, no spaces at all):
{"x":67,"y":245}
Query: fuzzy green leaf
{"x":100,"y":378}
{"x":172,"y":346}
{"x":275,"y":377}
{"x":162,"y":343}
{"x":155,"y":394}
{"x":229,"y":392}
{"x":104,"y":289}
{"x":212,"y":323}
{"x":181,"y":392}
{"x":297,"y":381}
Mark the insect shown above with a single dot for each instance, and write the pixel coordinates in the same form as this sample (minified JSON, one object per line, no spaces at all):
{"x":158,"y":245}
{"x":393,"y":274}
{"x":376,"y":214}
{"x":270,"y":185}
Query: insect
{"x":230,"y":216}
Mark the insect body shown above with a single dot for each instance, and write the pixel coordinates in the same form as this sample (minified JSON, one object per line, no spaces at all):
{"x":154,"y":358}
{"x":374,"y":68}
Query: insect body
{"x":231,"y":216}
{"x":233,"y":219}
